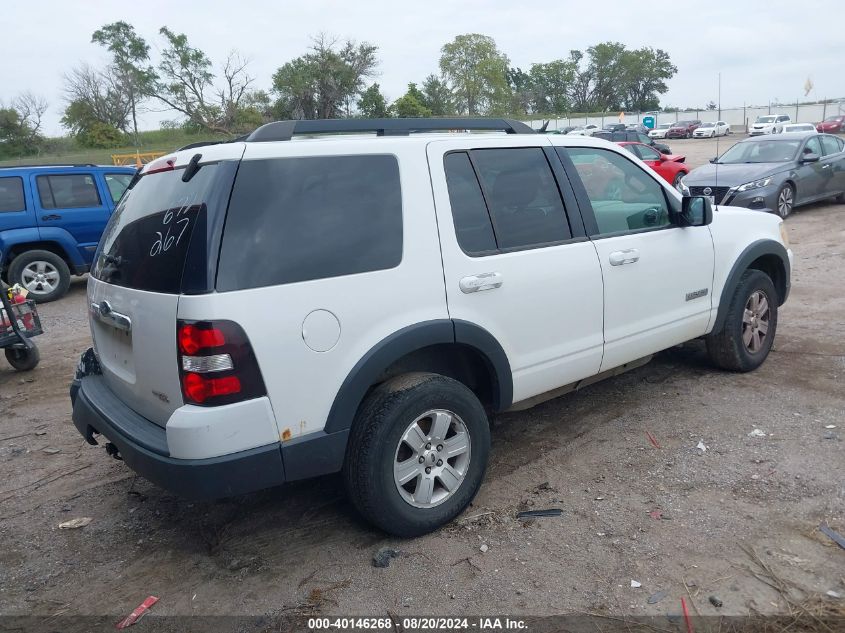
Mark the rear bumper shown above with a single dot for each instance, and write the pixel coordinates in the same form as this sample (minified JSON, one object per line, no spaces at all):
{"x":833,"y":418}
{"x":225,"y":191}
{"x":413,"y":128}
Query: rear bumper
{"x":143,"y":446}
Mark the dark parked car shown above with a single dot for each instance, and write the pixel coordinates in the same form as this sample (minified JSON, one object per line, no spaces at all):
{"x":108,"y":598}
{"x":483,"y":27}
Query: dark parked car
{"x":628,"y":136}
{"x":637,"y":127}
{"x":614,"y":127}
{"x":683,"y":129}
{"x":774,"y":173}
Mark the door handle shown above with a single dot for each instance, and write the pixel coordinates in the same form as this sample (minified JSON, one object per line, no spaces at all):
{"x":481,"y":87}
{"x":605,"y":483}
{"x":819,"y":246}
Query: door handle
{"x":103,"y":312}
{"x":52,"y":216}
{"x":826,"y":166}
{"x":629,"y":256}
{"x":477,"y":283}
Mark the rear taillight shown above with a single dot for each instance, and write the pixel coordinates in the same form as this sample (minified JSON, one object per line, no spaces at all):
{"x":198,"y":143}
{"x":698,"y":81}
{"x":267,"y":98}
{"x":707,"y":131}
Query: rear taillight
{"x":216,"y":363}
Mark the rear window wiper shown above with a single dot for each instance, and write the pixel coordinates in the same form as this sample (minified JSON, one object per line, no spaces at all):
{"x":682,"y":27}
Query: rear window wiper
{"x":192,"y":168}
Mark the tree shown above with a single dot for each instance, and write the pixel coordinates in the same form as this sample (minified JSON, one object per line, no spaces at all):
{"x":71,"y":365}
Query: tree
{"x":579,"y":90}
{"x":372,"y":103}
{"x":606,"y":66}
{"x":477,"y":73}
{"x":16,"y":136}
{"x":610,"y":77}
{"x":323,"y":83}
{"x":646,"y":71}
{"x":130,"y":62}
{"x":99,"y":94}
{"x":437,"y":97}
{"x":409,"y":106}
{"x":550,"y":83}
{"x":522,"y":91}
{"x":85,"y":125}
{"x":31,"y":108}
{"x":186,"y":83}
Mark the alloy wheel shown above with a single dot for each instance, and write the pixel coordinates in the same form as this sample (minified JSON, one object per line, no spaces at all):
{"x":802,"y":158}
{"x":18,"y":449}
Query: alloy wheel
{"x":755,"y":321}
{"x":786,"y":199}
{"x":432,"y":458}
{"x":40,"y":277}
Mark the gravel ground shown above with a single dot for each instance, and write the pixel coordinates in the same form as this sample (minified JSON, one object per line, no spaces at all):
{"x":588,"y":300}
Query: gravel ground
{"x":662,"y":516}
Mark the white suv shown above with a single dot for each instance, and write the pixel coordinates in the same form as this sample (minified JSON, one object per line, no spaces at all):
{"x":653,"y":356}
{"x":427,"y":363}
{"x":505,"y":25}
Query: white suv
{"x":286,"y":307}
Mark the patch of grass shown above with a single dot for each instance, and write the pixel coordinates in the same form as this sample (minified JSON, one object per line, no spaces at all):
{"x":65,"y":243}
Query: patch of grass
{"x":66,"y":150}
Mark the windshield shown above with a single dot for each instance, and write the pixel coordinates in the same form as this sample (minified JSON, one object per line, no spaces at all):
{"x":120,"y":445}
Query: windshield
{"x":664,"y":126}
{"x":761,"y":152}
{"x":835,"y":117}
{"x":766,"y":119}
{"x":707,"y":125}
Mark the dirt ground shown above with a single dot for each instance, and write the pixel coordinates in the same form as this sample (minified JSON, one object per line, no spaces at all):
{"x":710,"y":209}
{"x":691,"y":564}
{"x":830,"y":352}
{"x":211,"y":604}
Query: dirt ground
{"x":664,"y":517}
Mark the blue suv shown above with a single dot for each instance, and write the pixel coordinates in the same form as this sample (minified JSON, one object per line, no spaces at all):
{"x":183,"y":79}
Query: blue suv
{"x":51,"y":218}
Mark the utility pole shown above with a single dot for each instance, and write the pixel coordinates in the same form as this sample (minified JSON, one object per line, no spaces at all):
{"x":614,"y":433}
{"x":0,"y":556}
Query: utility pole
{"x":720,"y":97}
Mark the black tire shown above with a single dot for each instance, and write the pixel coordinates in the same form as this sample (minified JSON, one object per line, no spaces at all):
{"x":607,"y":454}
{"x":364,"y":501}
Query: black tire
{"x":376,"y":436}
{"x":727,"y":349}
{"x":23,"y":260}
{"x":23,"y":359}
{"x":786,"y":210}
{"x":840,"y":199}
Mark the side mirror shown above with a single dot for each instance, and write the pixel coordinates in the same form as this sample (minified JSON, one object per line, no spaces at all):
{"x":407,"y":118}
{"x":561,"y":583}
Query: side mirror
{"x":812,"y":157}
{"x":662,"y":157}
{"x":713,"y":160}
{"x":695,"y":211}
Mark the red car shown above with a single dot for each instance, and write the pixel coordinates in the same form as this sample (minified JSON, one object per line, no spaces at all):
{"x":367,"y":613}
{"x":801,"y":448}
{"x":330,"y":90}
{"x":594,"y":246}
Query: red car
{"x":671,"y":167}
{"x":683,"y":129}
{"x":834,"y":124}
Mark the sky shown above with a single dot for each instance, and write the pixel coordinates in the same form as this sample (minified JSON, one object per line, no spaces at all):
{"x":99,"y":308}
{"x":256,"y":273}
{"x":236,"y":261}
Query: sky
{"x":763,"y":50}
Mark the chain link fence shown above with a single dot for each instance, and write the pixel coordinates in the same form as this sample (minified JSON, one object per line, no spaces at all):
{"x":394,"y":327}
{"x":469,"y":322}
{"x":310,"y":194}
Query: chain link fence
{"x":738,"y":118}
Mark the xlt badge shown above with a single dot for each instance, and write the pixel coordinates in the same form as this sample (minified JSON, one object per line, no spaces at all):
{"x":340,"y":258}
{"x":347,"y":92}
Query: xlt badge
{"x":697,"y":293}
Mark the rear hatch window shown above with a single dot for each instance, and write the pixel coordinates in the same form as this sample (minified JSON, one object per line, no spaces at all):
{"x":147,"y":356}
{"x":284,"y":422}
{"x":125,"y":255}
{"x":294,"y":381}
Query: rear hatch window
{"x":160,"y":235}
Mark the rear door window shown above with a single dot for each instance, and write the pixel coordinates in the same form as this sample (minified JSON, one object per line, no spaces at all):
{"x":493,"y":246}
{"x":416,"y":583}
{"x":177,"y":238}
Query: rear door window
{"x":11,"y":194}
{"x":472,"y":222}
{"x":159,"y":226}
{"x":68,"y":191}
{"x":298,"y":219}
{"x":831,"y":145}
{"x":522,"y":197}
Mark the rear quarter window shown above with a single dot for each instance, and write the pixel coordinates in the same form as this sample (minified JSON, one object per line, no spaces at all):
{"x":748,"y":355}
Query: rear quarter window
{"x":831,"y":145}
{"x":11,"y":195}
{"x":117,"y":184}
{"x":299,"y":219}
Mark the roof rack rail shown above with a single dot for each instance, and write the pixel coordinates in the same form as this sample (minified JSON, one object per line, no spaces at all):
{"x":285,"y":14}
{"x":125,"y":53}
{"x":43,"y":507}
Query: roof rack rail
{"x":50,"y":165}
{"x":285,"y":130}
